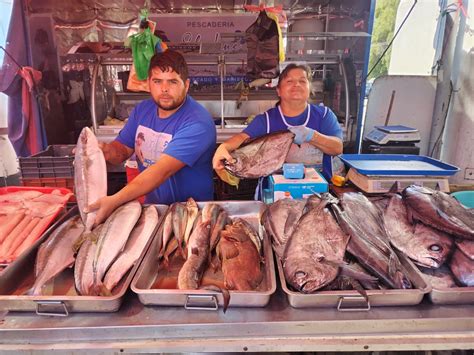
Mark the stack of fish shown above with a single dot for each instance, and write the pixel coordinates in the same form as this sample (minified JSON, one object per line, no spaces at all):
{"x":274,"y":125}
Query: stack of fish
{"x":429,"y":227}
{"x":105,"y":253}
{"x":312,"y":245}
{"x":209,"y":238}
{"x":24,"y":216}
{"x":434,"y":229}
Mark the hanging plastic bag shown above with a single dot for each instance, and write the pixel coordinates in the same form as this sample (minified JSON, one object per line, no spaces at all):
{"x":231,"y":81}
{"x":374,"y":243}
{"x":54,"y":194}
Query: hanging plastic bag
{"x":143,"y":47}
{"x":263,"y":47}
{"x":134,"y":84}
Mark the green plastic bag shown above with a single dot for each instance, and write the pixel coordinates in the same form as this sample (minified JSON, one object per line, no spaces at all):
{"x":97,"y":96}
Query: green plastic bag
{"x":143,"y":47}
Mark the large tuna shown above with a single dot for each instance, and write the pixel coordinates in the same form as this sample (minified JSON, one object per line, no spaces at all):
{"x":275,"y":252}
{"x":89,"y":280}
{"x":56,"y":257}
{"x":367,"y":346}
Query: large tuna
{"x":462,"y":268}
{"x":56,"y":253}
{"x":369,"y":242}
{"x":280,"y":220}
{"x":260,"y":157}
{"x":90,"y":175}
{"x":426,"y":246}
{"x":315,"y":250}
{"x":440,"y":211}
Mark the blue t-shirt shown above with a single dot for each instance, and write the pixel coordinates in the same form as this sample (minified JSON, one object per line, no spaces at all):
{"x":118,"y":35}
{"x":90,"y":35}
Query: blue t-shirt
{"x":321,"y":119}
{"x":188,"y":135}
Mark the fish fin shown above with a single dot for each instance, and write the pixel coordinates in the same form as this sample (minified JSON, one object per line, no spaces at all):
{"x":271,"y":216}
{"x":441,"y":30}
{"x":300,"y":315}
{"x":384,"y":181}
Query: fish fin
{"x":410,"y":216}
{"x":393,"y":265}
{"x":349,"y":272}
{"x":102,"y":290}
{"x":358,"y":287}
{"x":82,"y":238}
{"x":394,"y":188}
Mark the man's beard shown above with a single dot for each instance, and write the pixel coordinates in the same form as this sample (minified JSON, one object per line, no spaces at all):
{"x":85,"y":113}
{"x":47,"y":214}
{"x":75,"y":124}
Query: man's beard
{"x":173,"y":106}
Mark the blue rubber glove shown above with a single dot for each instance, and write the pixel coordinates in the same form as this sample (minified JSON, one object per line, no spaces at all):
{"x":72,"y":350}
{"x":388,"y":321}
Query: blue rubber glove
{"x":302,"y":134}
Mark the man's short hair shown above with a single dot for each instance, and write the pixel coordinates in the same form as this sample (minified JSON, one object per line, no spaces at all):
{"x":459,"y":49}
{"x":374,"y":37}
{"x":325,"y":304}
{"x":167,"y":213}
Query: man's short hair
{"x":169,"y":60}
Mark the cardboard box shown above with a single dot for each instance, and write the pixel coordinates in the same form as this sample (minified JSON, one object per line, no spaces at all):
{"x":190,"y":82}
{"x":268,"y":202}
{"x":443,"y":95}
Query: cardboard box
{"x":312,"y":182}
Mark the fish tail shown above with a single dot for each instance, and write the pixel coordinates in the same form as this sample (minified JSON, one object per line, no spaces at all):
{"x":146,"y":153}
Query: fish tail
{"x":225,"y":293}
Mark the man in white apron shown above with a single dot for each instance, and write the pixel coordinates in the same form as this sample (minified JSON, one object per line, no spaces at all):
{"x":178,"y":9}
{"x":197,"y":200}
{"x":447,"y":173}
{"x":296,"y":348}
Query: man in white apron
{"x":318,"y":135}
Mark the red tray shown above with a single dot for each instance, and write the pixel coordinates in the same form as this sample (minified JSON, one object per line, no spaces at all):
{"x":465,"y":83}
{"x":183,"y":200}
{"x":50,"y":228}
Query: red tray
{"x":46,"y":190}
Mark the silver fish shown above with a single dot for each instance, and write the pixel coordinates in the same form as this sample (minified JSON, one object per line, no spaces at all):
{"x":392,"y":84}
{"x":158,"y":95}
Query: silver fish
{"x":56,"y":253}
{"x":83,"y":270}
{"x":139,"y":237}
{"x":112,"y":239}
{"x":189,"y":277}
{"x":90,"y":175}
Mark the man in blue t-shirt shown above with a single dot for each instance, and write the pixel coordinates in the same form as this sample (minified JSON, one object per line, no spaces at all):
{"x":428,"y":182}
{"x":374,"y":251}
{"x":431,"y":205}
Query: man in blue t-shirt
{"x":173,"y":138}
{"x":318,"y":135}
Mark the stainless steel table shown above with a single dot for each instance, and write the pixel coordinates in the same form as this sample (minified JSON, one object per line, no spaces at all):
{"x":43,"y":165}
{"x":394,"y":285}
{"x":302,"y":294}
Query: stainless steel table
{"x":277,"y":327}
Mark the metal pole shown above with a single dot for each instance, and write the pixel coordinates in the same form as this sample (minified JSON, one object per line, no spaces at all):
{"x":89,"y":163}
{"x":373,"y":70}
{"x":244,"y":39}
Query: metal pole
{"x":95,"y":73}
{"x":222,"y":69}
{"x":346,"y":96}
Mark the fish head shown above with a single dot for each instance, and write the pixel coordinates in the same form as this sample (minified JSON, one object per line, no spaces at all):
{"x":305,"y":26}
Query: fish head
{"x":308,"y":276}
{"x":432,"y":247}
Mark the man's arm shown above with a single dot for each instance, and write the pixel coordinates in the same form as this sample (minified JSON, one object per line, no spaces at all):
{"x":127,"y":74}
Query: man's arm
{"x":116,"y":152}
{"x":146,"y":181}
{"x":224,"y":150}
{"x":327,"y":144}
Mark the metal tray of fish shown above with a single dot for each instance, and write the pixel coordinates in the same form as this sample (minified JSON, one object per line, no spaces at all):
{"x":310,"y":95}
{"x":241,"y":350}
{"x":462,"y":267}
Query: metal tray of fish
{"x":351,"y":300}
{"x":158,"y":287}
{"x":453,"y":295}
{"x":60,"y":297}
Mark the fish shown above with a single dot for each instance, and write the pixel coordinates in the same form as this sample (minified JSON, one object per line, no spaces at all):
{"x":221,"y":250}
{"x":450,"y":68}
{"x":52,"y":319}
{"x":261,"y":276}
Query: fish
{"x":439,"y":278}
{"x":439,"y":210}
{"x":179,"y":219}
{"x":190,"y":274}
{"x":261,"y":156}
{"x":426,"y":246}
{"x":314,"y":251}
{"x":83,"y":268}
{"x":167,"y":232}
{"x":90,"y":175}
{"x":462,"y":268}
{"x":112,"y":239}
{"x":280,"y":219}
{"x":369,"y":243}
{"x":137,"y":241}
{"x":241,"y":261}
{"x":192,"y":214}
{"x":56,"y":253}
{"x":466,"y":246}
{"x":221,"y":221}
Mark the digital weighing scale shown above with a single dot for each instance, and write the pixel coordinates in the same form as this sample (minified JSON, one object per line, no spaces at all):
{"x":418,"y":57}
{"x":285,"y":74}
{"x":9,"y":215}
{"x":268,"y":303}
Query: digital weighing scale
{"x":388,"y":134}
{"x":395,"y":139}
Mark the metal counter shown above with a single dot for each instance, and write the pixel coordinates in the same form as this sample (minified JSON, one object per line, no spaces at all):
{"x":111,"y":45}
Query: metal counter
{"x":277,"y":327}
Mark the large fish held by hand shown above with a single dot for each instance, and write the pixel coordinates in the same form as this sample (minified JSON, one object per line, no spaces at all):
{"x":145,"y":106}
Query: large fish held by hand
{"x":90,"y":175}
{"x":260,"y":157}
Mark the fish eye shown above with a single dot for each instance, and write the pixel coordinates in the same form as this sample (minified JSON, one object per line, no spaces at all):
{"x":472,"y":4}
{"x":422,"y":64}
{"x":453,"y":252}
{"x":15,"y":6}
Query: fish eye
{"x":300,"y":273}
{"x":435,"y":247}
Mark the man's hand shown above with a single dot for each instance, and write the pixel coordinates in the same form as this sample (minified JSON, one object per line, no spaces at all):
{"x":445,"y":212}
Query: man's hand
{"x":115,"y":152}
{"x":103,"y":208}
{"x":302,"y":134}
{"x":220,"y":155}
